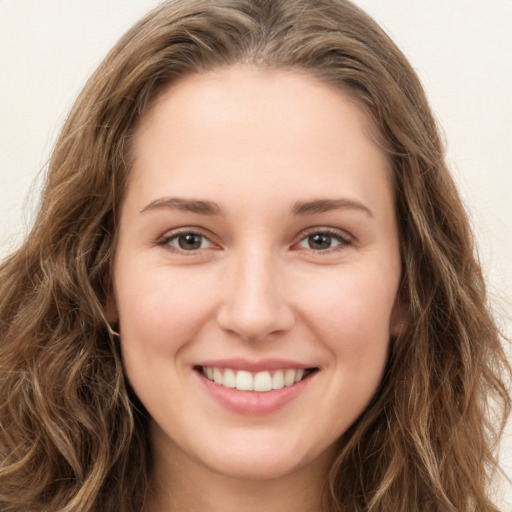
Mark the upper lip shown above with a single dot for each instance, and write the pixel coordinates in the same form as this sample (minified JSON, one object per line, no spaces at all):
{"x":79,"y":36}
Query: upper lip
{"x":254,"y":365}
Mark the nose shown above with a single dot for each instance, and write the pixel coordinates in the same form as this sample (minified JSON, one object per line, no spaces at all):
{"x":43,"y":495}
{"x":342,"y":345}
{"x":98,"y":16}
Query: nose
{"x":254,"y":303}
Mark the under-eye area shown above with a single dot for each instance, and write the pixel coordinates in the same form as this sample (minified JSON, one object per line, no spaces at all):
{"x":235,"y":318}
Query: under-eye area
{"x":262,"y":381}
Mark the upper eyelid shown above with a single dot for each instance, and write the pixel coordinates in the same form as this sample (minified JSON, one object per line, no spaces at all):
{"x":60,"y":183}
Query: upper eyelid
{"x":196,"y":230}
{"x":341,"y":233}
{"x":324,"y":229}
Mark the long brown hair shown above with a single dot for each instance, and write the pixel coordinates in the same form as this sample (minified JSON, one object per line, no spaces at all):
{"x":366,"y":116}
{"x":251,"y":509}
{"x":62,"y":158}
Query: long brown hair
{"x":73,"y":436}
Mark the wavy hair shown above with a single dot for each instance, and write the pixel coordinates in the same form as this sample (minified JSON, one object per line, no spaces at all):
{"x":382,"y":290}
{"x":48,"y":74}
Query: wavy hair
{"x":73,"y":436}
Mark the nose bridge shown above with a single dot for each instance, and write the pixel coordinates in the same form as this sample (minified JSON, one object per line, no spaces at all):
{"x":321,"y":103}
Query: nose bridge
{"x":254,"y":303}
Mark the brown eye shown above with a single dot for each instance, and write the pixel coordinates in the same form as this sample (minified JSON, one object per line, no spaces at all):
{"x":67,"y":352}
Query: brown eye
{"x":324,"y":241}
{"x":319,"y":241}
{"x":188,"y":241}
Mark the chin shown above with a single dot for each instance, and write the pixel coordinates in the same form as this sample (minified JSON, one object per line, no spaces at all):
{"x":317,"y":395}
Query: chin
{"x":261,"y":467}
{"x":259,"y":461}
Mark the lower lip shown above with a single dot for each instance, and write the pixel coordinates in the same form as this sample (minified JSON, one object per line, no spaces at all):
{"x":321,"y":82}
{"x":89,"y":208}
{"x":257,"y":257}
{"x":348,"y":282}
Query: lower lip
{"x":254,"y":402}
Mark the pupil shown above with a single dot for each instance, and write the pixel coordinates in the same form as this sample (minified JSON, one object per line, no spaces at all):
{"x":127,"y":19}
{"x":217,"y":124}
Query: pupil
{"x":319,"y":241}
{"x":189,"y":241}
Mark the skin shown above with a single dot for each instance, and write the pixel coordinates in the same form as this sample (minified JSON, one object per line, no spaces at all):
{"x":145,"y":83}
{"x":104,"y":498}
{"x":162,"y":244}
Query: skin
{"x":256,"y":143}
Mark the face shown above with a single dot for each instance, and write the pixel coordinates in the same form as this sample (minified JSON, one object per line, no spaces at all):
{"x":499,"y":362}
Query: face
{"x":256,"y":271}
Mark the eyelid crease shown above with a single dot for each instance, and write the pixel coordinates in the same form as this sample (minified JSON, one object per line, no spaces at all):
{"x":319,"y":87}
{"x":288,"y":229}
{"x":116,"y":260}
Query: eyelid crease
{"x":333,"y":232}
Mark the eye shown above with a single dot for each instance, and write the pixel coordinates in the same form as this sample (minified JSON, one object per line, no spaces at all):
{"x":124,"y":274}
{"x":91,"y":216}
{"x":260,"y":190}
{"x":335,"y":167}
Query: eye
{"x":187,"y":241}
{"x":324,"y":240}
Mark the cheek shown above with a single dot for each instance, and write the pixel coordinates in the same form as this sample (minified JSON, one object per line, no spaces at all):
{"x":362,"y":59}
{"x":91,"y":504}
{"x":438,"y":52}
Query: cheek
{"x":352,"y":312}
{"x":163,"y":309}
{"x":160,"y":314}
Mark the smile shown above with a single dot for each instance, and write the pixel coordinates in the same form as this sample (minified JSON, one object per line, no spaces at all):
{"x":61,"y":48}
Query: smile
{"x":261,"y":382}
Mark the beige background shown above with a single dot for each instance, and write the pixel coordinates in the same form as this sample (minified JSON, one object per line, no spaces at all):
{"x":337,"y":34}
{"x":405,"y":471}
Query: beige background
{"x":460,"y":48}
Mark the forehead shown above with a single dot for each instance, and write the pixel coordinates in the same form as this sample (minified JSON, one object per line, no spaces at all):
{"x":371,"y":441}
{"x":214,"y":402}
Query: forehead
{"x":234,"y":93}
{"x":241,"y":123}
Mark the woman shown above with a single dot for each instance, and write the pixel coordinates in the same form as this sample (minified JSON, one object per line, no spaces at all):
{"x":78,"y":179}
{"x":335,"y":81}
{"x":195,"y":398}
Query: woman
{"x":251,"y":284}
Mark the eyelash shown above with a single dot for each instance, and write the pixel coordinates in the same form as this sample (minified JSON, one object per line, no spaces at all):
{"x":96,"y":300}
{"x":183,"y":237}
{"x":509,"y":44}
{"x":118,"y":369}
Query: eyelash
{"x":339,"y":236}
{"x":166,"y":240}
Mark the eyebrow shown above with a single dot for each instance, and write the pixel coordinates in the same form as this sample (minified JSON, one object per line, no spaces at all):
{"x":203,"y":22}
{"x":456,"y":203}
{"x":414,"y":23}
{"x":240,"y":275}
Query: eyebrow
{"x":203,"y":207}
{"x":325,"y":205}
{"x":185,"y":205}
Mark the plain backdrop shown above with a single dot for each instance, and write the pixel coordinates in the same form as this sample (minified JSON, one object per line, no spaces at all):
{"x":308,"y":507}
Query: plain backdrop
{"x":460,"y":48}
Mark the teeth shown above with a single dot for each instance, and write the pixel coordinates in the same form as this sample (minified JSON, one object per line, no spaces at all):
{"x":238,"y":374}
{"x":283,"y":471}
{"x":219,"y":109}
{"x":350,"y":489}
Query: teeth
{"x":260,"y":381}
{"x":244,"y":381}
{"x":229,"y":379}
{"x":217,"y":376}
{"x":278,"y":380}
{"x":289,"y":377}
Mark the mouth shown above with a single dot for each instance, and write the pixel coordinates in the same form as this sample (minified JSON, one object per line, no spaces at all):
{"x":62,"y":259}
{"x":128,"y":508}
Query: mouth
{"x":261,"y":382}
